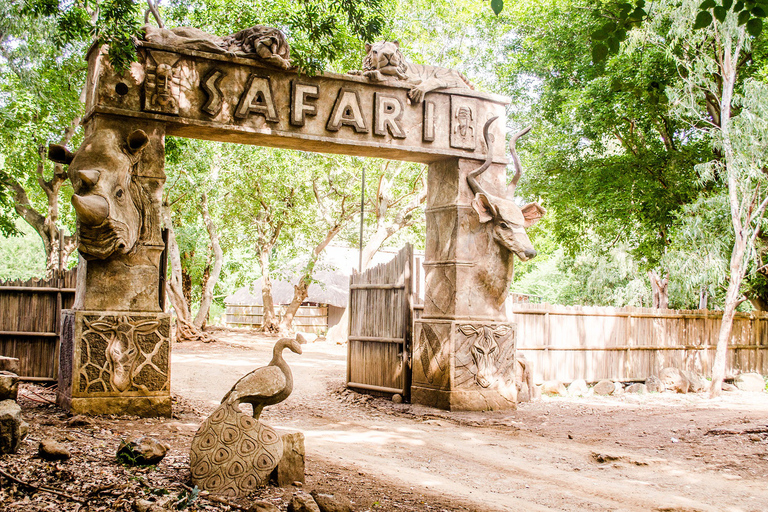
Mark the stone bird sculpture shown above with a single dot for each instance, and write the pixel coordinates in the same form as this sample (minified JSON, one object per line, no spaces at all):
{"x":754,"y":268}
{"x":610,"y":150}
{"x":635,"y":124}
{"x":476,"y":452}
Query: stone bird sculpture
{"x":232,"y":454}
{"x":267,"y":385}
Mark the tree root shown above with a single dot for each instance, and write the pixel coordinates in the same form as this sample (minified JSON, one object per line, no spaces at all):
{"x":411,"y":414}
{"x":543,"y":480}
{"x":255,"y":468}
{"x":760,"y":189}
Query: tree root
{"x":187,"y":331}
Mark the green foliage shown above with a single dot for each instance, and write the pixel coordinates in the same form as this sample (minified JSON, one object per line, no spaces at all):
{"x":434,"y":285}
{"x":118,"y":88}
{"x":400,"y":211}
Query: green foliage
{"x":21,"y":256}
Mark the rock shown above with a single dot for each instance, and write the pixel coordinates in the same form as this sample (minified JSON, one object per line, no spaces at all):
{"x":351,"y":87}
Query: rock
{"x":673,"y":380}
{"x":263,"y":506}
{"x":637,"y":387}
{"x":148,"y":506}
{"x":604,"y":388}
{"x":554,"y":387}
{"x":9,"y":386}
{"x":290,"y":469}
{"x":50,"y":449}
{"x":306,"y":337}
{"x":653,"y":384}
{"x":397,"y":398}
{"x":332,"y":502}
{"x":79,"y":421}
{"x":141,"y":451}
{"x":10,"y":427}
{"x":578,"y":388}
{"x":696,"y":383}
{"x":302,"y":502}
{"x":9,"y":364}
{"x":729,"y":387}
{"x":618,"y":388}
{"x":752,"y":382}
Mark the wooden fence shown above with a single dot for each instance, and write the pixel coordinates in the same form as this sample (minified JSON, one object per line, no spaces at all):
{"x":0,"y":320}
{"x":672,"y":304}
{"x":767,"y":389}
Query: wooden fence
{"x":30,"y":318}
{"x":312,"y":319}
{"x":571,"y":342}
{"x":380,"y":301}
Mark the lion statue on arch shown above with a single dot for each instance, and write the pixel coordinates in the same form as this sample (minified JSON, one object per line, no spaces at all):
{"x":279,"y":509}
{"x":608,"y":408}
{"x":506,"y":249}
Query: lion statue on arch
{"x":384,"y":62}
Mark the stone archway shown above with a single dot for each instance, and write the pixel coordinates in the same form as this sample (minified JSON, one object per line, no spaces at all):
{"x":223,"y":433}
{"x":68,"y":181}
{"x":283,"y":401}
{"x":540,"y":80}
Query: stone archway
{"x":115,"y":346}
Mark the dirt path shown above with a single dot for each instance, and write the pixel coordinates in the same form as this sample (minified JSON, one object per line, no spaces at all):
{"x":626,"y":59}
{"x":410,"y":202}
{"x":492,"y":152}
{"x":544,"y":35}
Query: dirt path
{"x":633,"y":453}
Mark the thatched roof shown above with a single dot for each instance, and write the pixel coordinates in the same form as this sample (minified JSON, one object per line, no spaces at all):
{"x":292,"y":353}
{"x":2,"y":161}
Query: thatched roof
{"x":331,"y":273}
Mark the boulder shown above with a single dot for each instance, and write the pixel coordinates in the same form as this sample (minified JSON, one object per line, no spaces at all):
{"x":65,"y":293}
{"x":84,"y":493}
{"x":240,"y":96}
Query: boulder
{"x":753,"y":382}
{"x":263,"y":506}
{"x":332,"y":502}
{"x":50,"y":449}
{"x":578,"y":388}
{"x":303,"y":502}
{"x":637,"y":387}
{"x":9,"y":364}
{"x":604,"y":388}
{"x":10,"y":427}
{"x":696,"y":383}
{"x":9,"y":386}
{"x":79,"y":421}
{"x":673,"y":380}
{"x":729,"y":387}
{"x":306,"y":337}
{"x":290,"y":469}
{"x":653,"y":384}
{"x":141,"y":451}
{"x":554,"y":387}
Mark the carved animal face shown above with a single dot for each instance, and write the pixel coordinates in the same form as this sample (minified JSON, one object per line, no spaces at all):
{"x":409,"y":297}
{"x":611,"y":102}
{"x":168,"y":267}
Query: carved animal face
{"x":108,"y":202}
{"x":485,"y":350}
{"x":385,"y":56}
{"x":509,"y":222}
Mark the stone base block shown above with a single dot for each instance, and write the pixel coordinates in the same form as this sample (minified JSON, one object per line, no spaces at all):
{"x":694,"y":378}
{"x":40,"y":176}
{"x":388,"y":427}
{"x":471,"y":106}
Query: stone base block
{"x":464,"y":365}
{"x":9,"y":386}
{"x":115,"y":363}
{"x":11,"y":427}
{"x":9,"y":364}
{"x":144,"y":407}
{"x":290,"y":469}
{"x":464,"y":400}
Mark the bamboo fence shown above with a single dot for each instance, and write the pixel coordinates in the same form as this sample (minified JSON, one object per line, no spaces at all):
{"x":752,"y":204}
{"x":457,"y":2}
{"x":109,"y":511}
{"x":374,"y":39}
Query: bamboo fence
{"x":30,"y":322}
{"x":380,"y":326}
{"x":629,"y":344}
{"x":312,"y":319}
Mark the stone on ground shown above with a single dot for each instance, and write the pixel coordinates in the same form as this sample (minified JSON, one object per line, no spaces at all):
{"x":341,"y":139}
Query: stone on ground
{"x":696,"y":383}
{"x":578,"y":388}
{"x":9,"y":386}
{"x":727,"y":386}
{"x":604,"y":388}
{"x":332,"y":502}
{"x":141,"y":451}
{"x":306,"y":337}
{"x":653,"y":384}
{"x":637,"y":387}
{"x":10,"y":427}
{"x":263,"y":506}
{"x":290,"y":469}
{"x":9,"y":364}
{"x":673,"y":380}
{"x":752,"y":382}
{"x":554,"y":387}
{"x":618,"y":388}
{"x":397,"y":398}
{"x":79,"y":421}
{"x":50,"y":449}
{"x":302,"y":502}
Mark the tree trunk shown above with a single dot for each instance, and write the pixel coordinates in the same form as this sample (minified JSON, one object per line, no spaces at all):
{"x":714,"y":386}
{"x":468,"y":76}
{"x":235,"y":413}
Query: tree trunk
{"x":729,"y":311}
{"x":660,"y":288}
{"x":218,"y":259}
{"x":269,"y":321}
{"x":185,"y":327}
{"x":704,"y":298}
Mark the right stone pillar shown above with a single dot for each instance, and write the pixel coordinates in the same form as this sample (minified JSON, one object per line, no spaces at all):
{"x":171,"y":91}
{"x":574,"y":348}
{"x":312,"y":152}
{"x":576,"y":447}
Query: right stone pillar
{"x":463,"y":345}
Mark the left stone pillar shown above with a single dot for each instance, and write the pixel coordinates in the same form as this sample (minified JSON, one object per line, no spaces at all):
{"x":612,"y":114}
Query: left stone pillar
{"x":115,"y":342}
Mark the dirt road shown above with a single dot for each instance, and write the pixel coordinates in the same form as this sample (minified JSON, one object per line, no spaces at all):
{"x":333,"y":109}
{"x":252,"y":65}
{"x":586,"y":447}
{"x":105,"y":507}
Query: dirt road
{"x":633,"y":453}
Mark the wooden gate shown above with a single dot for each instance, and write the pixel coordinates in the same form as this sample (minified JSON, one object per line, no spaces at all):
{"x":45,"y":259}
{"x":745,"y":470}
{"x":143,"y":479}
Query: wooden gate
{"x":379,"y":347}
{"x":30,"y":322}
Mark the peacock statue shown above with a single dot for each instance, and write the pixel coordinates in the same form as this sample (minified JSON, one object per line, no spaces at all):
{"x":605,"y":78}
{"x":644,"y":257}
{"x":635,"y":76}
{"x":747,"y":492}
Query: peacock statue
{"x":233,"y":453}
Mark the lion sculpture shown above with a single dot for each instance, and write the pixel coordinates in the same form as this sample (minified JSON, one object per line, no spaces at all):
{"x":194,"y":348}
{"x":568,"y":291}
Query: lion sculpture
{"x":385,"y":62}
{"x":268,"y":44}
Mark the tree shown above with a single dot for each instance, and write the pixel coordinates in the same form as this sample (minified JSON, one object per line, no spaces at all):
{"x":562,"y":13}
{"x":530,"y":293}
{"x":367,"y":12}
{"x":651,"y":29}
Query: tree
{"x":41,"y":104}
{"x":714,"y":71}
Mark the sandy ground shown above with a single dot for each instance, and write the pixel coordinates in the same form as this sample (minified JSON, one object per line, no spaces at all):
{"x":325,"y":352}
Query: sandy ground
{"x":633,"y":452}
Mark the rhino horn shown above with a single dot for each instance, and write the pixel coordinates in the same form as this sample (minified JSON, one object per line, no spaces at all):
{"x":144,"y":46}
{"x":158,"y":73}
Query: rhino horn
{"x":89,"y":177}
{"x":91,"y":210}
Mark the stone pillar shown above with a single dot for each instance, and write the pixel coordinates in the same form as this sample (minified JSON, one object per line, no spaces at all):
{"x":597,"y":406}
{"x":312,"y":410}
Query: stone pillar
{"x":115,"y":346}
{"x":464,"y":348}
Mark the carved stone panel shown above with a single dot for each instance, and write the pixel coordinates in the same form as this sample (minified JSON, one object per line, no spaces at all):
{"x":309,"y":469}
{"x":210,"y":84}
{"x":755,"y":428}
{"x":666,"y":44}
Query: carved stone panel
{"x":464,"y":365}
{"x":115,"y":363}
{"x":464,"y":114}
{"x":161,"y":82}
